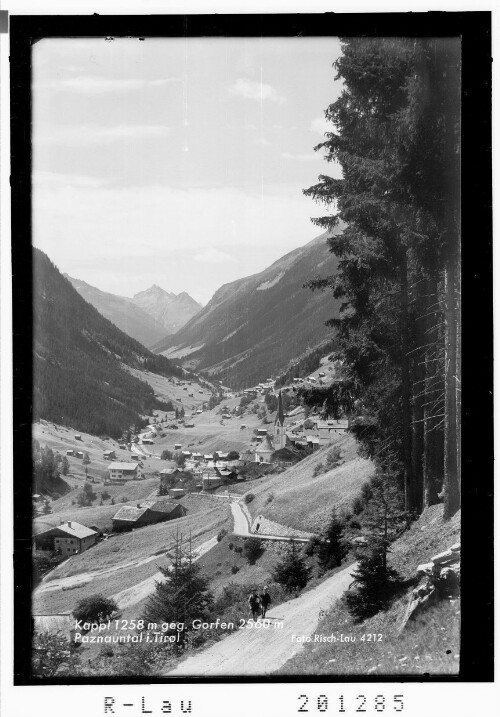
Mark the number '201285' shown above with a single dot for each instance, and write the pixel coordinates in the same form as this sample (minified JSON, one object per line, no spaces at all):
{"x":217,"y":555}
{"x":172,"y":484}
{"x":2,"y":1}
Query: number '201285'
{"x":362,"y":703}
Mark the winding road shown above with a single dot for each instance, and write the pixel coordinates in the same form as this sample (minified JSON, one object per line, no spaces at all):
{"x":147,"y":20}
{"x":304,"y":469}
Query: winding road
{"x":241,"y":527}
{"x":261,"y":651}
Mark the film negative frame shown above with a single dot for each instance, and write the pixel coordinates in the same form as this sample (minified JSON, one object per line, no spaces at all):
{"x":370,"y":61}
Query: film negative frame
{"x":474,"y":30}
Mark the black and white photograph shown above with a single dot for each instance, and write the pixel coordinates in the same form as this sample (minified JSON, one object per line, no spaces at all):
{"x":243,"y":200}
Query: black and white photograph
{"x":246,"y":418}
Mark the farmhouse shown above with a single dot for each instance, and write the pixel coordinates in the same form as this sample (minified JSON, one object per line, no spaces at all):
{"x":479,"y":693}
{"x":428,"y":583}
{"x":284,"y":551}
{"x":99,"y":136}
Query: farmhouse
{"x":68,"y":538}
{"x":226,"y":474}
{"x":147,"y":513}
{"x":211,"y":482}
{"x":119,"y":470}
{"x":286,"y":456}
{"x":109,"y":455}
{"x":176,"y":492}
{"x":327,"y":429}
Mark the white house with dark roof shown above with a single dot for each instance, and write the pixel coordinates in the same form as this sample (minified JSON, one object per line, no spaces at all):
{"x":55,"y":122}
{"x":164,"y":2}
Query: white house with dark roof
{"x":120,"y":470}
{"x":68,"y":538}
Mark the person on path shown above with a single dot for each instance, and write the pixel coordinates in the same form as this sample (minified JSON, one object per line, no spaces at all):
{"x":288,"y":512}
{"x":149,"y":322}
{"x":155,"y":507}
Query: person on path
{"x":265,"y":601}
{"x":254,"y":604}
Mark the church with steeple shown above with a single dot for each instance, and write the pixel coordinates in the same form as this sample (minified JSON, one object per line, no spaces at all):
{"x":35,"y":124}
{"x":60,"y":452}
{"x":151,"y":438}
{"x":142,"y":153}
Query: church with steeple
{"x":266,"y":451}
{"x":279,"y":426}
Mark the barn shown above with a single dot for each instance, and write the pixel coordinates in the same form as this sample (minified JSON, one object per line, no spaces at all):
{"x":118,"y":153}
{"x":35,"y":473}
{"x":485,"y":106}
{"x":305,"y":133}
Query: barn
{"x":147,"y":513}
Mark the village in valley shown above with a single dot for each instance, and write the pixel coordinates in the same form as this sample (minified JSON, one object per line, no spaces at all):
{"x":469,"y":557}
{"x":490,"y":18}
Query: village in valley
{"x":191,"y":451}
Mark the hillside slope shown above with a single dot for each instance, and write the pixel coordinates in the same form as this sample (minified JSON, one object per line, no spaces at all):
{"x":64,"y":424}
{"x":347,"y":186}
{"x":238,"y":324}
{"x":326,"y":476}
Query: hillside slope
{"x":121,"y":311}
{"x":79,"y":380}
{"x":301,"y":500}
{"x":430,"y":646}
{"x":254,"y":326}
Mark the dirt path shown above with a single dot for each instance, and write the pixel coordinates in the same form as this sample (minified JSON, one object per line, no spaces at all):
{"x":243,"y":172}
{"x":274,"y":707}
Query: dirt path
{"x":136,"y":593}
{"x":256,"y":651}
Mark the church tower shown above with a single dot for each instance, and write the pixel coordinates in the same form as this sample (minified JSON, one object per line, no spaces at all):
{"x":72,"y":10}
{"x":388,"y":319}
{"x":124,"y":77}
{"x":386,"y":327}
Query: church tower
{"x":279,"y":426}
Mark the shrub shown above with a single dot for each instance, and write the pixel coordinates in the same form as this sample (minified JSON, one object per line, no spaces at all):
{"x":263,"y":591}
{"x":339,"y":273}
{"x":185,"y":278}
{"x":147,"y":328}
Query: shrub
{"x":357,"y":505}
{"x":252,"y":549}
{"x":51,"y":655}
{"x":86,"y":497}
{"x":333,"y":548}
{"x":235,"y":569}
{"x":333,"y":459}
{"x":249,"y":497}
{"x":311,"y":546}
{"x":292,"y":572}
{"x":221,"y":534}
{"x":355,"y":524}
{"x":318,"y":469}
{"x":230,"y":546}
{"x":105,"y":495}
{"x":95,"y":608}
{"x":366,"y":492}
{"x":238,"y":549}
{"x":376,"y":584}
{"x":308,"y":424}
{"x":270,"y":497}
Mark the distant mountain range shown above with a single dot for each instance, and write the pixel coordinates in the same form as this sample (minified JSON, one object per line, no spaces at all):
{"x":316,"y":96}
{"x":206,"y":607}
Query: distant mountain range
{"x":170,"y":310}
{"x":148,"y":317}
{"x":79,"y":357}
{"x":253,"y":327}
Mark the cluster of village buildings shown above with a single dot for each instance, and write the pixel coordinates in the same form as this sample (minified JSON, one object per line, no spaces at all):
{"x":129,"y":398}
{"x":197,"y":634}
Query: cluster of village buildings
{"x":285,"y":447}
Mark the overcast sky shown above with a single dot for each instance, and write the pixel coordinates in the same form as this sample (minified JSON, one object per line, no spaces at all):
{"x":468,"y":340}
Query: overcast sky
{"x":179,"y":162}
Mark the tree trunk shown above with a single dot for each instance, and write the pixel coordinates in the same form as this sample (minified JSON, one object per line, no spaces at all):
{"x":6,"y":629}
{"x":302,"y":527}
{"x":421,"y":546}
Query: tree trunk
{"x":433,"y":437}
{"x":451,"y":80}
{"x":406,"y":389}
{"x":459,"y":375}
{"x":451,"y":486}
{"x":418,"y":386}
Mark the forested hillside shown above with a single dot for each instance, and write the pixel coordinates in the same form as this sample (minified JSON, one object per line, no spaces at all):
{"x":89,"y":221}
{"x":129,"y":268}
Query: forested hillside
{"x":78,"y":377}
{"x":122,"y":312}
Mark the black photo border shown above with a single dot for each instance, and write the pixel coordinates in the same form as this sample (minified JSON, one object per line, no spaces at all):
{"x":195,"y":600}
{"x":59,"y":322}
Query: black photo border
{"x":474,"y":29}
